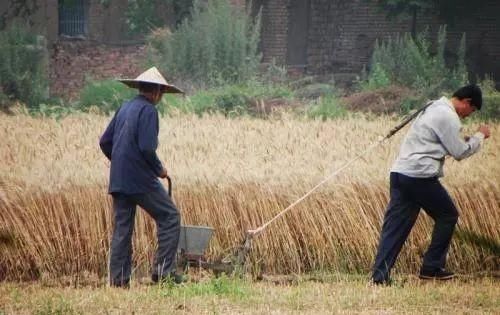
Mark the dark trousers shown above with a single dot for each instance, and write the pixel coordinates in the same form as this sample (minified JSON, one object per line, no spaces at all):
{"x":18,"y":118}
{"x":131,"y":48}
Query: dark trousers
{"x":408,"y":195}
{"x":161,"y":208}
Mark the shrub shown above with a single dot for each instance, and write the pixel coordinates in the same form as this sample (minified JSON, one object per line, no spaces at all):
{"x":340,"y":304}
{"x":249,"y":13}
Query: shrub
{"x":105,"y":95}
{"x":217,"y":44}
{"x":23,"y":61}
{"x":230,"y":99}
{"x":141,"y":15}
{"x":412,"y":102}
{"x":199,"y":103}
{"x":377,"y":79}
{"x":144,"y":15}
{"x":327,"y":107}
{"x":491,"y":100}
{"x":55,"y":111}
{"x":410,"y":62}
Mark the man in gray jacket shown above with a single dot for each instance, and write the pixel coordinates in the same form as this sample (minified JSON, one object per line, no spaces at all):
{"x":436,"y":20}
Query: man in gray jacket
{"x":414,"y":182}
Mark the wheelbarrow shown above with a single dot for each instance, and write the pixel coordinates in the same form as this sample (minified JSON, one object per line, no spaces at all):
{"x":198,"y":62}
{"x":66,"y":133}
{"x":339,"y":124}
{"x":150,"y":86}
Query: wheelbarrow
{"x":193,"y":242}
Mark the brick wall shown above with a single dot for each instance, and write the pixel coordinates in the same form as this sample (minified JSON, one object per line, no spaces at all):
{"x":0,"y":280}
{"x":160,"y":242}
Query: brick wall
{"x":342,"y":35}
{"x":72,"y":62}
{"x":482,"y":29}
{"x":274,"y":29}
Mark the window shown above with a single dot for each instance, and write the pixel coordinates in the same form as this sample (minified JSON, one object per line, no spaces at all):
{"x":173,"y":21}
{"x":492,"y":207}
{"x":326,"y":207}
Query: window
{"x":73,"y":17}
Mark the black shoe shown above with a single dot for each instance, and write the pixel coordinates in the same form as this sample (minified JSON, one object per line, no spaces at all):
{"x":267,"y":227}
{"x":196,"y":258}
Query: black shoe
{"x":435,"y":274}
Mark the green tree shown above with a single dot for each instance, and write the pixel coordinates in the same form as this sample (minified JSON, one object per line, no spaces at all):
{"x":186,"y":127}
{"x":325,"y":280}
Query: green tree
{"x":217,"y":44}
{"x":23,"y":65}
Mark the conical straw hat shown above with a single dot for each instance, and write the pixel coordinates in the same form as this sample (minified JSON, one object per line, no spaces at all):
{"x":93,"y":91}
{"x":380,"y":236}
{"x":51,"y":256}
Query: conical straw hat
{"x":152,"y":75}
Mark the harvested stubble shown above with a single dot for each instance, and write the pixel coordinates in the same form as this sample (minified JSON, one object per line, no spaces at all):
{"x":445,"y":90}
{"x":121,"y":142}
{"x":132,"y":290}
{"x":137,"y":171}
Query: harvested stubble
{"x":232,"y":175}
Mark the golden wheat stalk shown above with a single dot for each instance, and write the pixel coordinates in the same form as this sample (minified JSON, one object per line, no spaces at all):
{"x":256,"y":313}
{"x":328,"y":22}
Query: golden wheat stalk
{"x":233,"y":175}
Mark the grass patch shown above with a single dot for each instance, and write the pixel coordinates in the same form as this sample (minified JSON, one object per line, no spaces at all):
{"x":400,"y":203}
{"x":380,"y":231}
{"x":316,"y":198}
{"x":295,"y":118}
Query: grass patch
{"x":231,"y":99}
{"x":327,"y":107}
{"x":105,"y":95}
{"x":477,"y":296}
{"x":222,"y":287}
{"x":55,"y":306}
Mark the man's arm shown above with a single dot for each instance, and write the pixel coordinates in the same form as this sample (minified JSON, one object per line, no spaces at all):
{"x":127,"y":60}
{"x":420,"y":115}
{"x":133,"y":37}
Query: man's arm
{"x":106,"y":141}
{"x":148,"y":139}
{"x":448,"y":132}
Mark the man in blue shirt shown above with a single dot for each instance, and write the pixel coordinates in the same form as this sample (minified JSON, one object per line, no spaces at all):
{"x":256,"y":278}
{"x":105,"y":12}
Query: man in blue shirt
{"x":130,"y":142}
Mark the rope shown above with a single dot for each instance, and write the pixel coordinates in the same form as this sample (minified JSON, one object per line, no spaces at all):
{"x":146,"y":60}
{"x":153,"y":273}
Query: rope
{"x":260,"y":229}
{"x":393,"y":131}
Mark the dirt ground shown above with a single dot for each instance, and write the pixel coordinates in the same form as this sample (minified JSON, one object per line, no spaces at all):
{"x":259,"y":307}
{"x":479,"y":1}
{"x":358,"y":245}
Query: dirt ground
{"x":382,"y":101}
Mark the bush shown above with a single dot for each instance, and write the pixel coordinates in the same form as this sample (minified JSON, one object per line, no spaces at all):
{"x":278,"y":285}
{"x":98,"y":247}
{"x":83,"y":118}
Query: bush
{"x":377,"y":79}
{"x":105,"y":95}
{"x":491,"y":107}
{"x":327,"y":107}
{"x":23,"y":74}
{"x":491,"y":100}
{"x":144,"y":15}
{"x":232,"y":102}
{"x":54,"y":111}
{"x":215,"y":46}
{"x":410,"y":62}
{"x":227,"y":99}
{"x":199,"y":103}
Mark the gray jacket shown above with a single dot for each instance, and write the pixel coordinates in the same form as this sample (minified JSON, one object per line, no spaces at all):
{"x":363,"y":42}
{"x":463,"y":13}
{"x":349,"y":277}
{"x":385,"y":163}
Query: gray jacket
{"x":434,"y":134}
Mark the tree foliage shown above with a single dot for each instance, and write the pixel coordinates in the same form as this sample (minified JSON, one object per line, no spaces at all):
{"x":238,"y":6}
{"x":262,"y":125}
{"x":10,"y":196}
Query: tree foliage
{"x":142,"y":16}
{"x":410,"y":62}
{"x":218,"y":43}
{"x":23,"y":66}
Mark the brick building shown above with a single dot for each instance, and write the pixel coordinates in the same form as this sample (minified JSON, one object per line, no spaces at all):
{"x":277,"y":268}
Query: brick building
{"x":90,"y":38}
{"x":101,"y":21}
{"x":337,"y":36}
{"x":85,"y":39}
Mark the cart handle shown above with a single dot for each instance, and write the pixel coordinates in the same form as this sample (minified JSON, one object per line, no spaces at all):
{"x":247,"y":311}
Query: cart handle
{"x":169,"y":180}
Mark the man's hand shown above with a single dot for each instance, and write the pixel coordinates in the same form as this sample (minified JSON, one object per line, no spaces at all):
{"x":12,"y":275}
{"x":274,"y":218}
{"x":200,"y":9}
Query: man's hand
{"x":164,"y":173}
{"x":484,"y":130}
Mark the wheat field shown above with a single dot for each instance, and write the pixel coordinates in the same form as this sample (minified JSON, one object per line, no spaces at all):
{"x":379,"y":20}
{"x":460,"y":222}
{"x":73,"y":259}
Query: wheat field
{"x":233,"y":175}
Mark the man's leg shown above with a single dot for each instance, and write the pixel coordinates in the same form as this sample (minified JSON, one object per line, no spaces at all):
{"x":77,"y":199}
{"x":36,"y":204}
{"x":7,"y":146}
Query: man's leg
{"x":121,"y":243}
{"x":437,"y":203}
{"x":160,"y":207}
{"x":399,"y":219}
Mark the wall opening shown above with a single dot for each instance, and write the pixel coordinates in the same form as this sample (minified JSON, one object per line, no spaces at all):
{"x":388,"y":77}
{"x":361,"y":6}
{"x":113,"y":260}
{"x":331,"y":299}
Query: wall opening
{"x":298,"y":30}
{"x":73,"y":18}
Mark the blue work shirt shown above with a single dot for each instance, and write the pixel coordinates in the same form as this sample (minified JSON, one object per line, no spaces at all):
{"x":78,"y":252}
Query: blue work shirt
{"x":130,"y":143}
